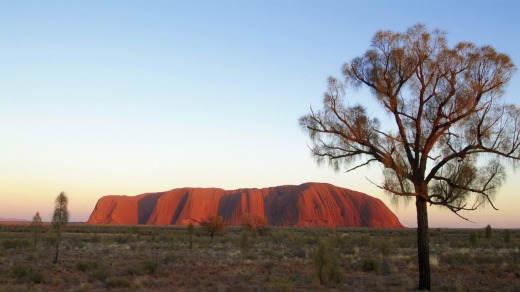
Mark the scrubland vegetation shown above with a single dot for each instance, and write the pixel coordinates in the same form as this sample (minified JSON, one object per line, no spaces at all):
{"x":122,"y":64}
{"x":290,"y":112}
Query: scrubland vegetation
{"x":269,"y":259}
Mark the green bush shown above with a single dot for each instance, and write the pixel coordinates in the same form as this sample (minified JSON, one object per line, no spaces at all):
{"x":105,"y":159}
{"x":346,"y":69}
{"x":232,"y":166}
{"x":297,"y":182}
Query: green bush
{"x":370,"y":265}
{"x":83,"y":266}
{"x":21,"y":271}
{"x":15,"y":243}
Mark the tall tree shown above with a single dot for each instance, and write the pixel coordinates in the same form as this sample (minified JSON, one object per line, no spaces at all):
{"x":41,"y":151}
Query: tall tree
{"x":36,"y":225}
{"x":60,"y":218}
{"x":449,"y":134}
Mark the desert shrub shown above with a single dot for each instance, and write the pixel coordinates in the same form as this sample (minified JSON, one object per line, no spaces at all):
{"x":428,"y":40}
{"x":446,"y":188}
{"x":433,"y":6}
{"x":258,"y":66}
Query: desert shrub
{"x":253,"y":222}
{"x":277,"y":236}
{"x":30,"y":257}
{"x":473,"y":238}
{"x":507,"y":236}
{"x":362,"y":240}
{"x":36,"y":276}
{"x":93,"y":238}
{"x":270,"y":253}
{"x":489,"y":232}
{"x":121,"y":239}
{"x":150,"y":266}
{"x":19,"y":271}
{"x":133,"y":245}
{"x":22,"y":271}
{"x":49,"y":239}
{"x":487,"y":259}
{"x":84,"y":286}
{"x":515,"y":257}
{"x":15,"y":243}
{"x":100,"y":272}
{"x":299,"y":253}
{"x":245,"y":244}
{"x":132,"y":270}
{"x":370,"y":264}
{"x":171,"y":258}
{"x":348,"y":250}
{"x":85,"y":265}
{"x":457,"y":258}
{"x":117,"y":283}
{"x":136,"y":284}
{"x":281,"y":284}
{"x":384,"y":247}
{"x":166,"y":238}
{"x":386,"y":267}
{"x":326,"y":265}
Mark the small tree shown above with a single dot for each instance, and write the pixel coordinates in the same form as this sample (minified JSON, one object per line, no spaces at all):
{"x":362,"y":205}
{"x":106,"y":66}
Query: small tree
{"x":191,"y":231}
{"x":60,"y":218}
{"x":253,"y":222}
{"x":245,"y":244}
{"x":36,"y":226}
{"x":489,"y":232}
{"x":214,"y":224}
{"x":449,"y":132}
{"x":326,"y":265}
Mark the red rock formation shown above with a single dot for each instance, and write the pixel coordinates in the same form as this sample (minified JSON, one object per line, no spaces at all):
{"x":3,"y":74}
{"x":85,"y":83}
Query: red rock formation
{"x":310,"y":204}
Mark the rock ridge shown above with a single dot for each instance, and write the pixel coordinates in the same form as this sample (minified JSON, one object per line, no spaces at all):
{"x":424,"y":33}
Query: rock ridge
{"x":306,"y":205}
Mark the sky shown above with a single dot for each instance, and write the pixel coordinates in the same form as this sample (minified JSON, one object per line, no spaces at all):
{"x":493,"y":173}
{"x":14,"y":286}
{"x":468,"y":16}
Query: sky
{"x":126,"y":97}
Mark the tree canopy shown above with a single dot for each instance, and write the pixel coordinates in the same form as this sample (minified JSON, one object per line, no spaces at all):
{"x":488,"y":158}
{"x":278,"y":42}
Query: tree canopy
{"x":447,"y":110}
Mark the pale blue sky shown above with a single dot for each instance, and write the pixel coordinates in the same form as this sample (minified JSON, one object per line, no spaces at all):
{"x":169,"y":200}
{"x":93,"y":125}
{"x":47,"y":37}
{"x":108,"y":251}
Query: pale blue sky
{"x":125,"y":97}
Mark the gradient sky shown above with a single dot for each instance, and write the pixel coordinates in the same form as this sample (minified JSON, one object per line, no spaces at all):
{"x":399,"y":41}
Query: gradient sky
{"x":126,"y":97}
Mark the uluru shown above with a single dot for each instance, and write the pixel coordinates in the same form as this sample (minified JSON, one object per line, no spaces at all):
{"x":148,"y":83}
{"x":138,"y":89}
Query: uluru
{"x":306,"y":205}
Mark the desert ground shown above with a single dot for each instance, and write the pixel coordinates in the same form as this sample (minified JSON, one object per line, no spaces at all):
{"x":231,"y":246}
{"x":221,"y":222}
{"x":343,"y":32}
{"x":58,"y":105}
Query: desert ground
{"x":122,"y":258}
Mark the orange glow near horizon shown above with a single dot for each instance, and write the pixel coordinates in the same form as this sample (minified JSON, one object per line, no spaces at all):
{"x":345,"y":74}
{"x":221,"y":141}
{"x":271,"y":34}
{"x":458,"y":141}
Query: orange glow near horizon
{"x":23,"y":200}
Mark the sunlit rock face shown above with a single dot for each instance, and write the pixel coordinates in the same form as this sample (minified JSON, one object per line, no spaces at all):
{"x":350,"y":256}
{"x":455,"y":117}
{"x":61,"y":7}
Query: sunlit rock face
{"x":308,"y":205}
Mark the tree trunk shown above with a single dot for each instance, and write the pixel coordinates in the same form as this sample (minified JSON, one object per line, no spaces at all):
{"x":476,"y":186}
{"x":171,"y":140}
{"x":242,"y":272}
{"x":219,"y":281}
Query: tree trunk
{"x":57,"y":245}
{"x":423,"y":244}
